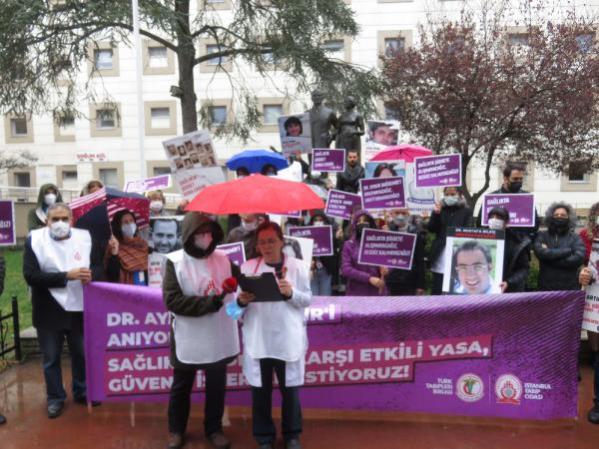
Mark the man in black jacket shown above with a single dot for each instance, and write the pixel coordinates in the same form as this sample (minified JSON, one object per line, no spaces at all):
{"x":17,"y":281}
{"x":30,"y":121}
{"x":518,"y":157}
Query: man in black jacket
{"x":56,"y":263}
{"x":515,"y":260}
{"x":513,"y":178}
{"x":349,"y":180}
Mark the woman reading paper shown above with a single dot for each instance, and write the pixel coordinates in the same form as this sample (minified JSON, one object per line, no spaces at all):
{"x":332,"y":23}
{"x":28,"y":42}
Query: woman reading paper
{"x":274,"y":336}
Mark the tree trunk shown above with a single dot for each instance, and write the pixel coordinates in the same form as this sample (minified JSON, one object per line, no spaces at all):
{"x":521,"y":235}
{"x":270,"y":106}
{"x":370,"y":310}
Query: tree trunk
{"x":185,"y":57}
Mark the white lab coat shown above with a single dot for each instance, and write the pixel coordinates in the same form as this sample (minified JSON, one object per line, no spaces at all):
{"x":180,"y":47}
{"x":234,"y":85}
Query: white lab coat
{"x":277,"y":329}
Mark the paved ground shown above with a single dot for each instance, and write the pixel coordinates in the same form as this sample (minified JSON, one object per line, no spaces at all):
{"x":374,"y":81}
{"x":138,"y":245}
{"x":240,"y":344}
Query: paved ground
{"x":22,"y":400}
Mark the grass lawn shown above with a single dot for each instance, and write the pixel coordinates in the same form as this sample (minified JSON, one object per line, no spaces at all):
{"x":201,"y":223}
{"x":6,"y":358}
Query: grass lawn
{"x":14,"y":285}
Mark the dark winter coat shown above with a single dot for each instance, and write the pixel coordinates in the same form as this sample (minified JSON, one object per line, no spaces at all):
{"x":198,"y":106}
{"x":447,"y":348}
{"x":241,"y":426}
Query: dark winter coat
{"x":516,"y":261}
{"x":405,"y":282}
{"x":450,"y":216}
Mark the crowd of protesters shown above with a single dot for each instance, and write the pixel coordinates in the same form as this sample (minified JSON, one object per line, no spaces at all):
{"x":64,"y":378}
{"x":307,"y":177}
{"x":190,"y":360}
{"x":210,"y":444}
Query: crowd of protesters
{"x":59,"y":259}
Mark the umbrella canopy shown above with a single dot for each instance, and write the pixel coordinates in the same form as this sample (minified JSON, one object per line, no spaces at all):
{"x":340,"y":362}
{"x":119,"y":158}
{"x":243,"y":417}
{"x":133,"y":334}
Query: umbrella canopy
{"x":255,"y":194}
{"x":254,"y":160}
{"x":403,"y":152}
{"x":319,"y":190}
{"x":94,"y":211}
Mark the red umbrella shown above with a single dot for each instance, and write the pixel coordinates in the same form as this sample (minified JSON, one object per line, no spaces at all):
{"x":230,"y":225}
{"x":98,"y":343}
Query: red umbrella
{"x":403,"y":152}
{"x":255,"y":194}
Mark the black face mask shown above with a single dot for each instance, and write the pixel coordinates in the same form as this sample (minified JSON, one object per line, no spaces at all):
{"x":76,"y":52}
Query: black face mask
{"x":360,"y":228}
{"x":560,"y":224}
{"x":514,"y":187}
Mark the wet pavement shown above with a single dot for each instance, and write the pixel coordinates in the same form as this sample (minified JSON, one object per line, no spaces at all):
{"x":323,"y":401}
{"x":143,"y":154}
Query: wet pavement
{"x":111,"y":426}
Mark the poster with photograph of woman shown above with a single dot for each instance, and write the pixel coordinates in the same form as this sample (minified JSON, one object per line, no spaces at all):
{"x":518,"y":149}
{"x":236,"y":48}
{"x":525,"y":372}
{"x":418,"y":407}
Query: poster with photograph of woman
{"x":295,"y":133}
{"x":473,"y":261}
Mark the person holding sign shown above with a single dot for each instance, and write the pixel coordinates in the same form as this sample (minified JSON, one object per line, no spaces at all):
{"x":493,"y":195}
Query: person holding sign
{"x":362,"y":280}
{"x":126,"y":257}
{"x":515,"y":261}
{"x":274,"y":334}
{"x":197,"y":280}
{"x":323,"y":267}
{"x":451,"y":211}
{"x":586,"y":277}
{"x":559,"y":249}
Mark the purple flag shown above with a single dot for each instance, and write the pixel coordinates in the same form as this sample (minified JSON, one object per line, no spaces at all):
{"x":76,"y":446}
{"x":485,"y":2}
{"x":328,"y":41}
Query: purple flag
{"x":438,"y":171}
{"x":322,"y":236}
{"x":472,"y":355}
{"x":387,"y":248}
{"x":382,"y":193}
{"x":8,"y":235}
{"x":521,"y":207}
{"x":235,"y":252}
{"x":341,"y":204}
{"x":328,"y":159}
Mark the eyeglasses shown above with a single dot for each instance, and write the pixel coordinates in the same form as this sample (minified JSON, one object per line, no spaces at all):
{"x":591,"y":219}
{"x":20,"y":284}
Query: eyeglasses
{"x":477,"y":268}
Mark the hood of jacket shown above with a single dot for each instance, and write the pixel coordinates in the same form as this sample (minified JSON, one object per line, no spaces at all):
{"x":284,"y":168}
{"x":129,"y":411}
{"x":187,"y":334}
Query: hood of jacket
{"x":356,"y":218}
{"x":191,"y":223}
{"x":43,"y":190}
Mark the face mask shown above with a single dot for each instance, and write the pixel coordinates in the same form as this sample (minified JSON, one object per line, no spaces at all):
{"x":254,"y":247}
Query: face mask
{"x":129,"y":229}
{"x":60,"y":229}
{"x":400,"y":220}
{"x":319,"y":223}
{"x":451,"y":200}
{"x":49,"y":199}
{"x":203,"y":241}
{"x":515,"y":187}
{"x":561,"y":223}
{"x":360,"y":228}
{"x":156,"y":205}
{"x":249,"y":226}
{"x":496,"y":223}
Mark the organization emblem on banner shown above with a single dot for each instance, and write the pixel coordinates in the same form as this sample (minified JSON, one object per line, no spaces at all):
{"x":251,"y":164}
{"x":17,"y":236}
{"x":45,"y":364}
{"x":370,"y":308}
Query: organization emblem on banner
{"x":77,"y":256}
{"x":508,"y":389}
{"x":470,"y":388}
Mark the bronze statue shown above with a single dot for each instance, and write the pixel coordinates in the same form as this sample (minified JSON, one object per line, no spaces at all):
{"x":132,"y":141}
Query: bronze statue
{"x":351,"y":127}
{"x":323,"y":122}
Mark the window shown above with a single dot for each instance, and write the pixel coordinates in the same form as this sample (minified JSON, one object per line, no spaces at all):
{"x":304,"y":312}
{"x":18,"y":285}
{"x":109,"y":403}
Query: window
{"x":67,"y":126}
{"x":215,"y":4}
{"x":69,"y":179}
{"x":22,"y":179}
{"x":218,"y":115}
{"x":271,"y":113}
{"x":518,"y":40}
{"x":157,"y":57}
{"x":157,"y":171}
{"x":105,"y":119}
{"x":335,"y":48}
{"x":585,"y":43}
{"x":393,"y":46}
{"x":109,"y":177}
{"x":18,"y":127}
{"x":161,"y":117}
{"x":103,"y":59}
{"x":213,"y":48}
{"x":578,"y":172}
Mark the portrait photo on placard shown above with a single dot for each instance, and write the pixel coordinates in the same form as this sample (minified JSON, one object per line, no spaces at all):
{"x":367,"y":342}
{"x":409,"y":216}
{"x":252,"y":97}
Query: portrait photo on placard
{"x":473,"y":264}
{"x":295,"y":133}
{"x":165,"y":234}
{"x":383,"y":132}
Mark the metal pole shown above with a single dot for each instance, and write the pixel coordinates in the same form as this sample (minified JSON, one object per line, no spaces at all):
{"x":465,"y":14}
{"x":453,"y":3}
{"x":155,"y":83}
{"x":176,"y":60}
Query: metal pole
{"x":16,"y":329}
{"x":139,"y":83}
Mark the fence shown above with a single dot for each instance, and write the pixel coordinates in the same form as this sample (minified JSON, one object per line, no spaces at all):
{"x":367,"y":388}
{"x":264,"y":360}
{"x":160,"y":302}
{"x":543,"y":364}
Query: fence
{"x":5,"y":337}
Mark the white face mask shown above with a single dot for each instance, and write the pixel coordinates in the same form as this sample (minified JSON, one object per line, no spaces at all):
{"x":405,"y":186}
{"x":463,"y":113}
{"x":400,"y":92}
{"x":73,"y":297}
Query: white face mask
{"x":496,"y":223}
{"x":249,"y":226}
{"x":319,"y":223}
{"x":129,"y":229}
{"x":451,"y":200}
{"x":156,"y":205}
{"x":49,"y":199}
{"x":203,"y":241}
{"x":60,"y":229}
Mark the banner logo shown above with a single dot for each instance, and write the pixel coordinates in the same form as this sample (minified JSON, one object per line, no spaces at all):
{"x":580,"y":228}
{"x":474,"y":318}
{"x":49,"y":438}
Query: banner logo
{"x":508,"y":389}
{"x":470,"y":388}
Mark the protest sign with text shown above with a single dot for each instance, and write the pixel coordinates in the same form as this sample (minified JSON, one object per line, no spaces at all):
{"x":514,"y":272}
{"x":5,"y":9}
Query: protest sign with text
{"x":145,"y":185}
{"x":8,"y":234}
{"x":382,"y":193}
{"x":341,"y":204}
{"x":387,"y":248}
{"x":234,"y":251}
{"x":321,"y":235}
{"x":328,"y":159}
{"x":521,"y":207}
{"x":590,"y":318}
{"x":438,"y":171}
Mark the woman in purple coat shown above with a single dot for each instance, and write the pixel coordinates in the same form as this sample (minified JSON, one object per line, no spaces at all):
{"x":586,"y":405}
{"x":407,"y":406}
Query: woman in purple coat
{"x":362,"y":280}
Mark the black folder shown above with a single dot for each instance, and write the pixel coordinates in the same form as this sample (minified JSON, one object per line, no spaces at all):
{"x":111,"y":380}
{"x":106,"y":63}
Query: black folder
{"x":264,"y":286}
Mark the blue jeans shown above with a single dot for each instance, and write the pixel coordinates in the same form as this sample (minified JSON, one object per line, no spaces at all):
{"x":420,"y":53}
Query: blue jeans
{"x":320,"y":284}
{"x":51,"y":342}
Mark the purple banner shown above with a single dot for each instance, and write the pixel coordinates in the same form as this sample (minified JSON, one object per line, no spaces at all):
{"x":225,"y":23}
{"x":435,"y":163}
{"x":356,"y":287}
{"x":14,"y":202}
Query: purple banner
{"x":145,"y":185}
{"x":521,"y":207}
{"x":474,"y":355}
{"x":341,"y":204}
{"x":235,"y":252}
{"x":382,"y":193}
{"x":8,"y":235}
{"x":438,"y":171}
{"x":322,"y":236}
{"x":328,"y":159}
{"x":387,"y":248}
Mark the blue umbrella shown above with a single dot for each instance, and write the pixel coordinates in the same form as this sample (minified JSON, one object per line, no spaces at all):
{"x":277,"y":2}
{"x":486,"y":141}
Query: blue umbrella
{"x":254,"y":160}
